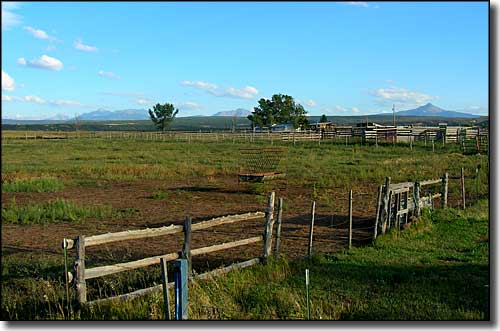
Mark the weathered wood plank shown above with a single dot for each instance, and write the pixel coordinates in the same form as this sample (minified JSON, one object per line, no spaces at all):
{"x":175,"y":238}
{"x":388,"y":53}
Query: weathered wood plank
{"x":227,"y":269}
{"x":164,"y":283}
{"x":119,"y":267}
{"x":171,"y":229}
{"x":219,"y":247}
{"x":377,"y":216}
{"x":398,"y":186}
{"x":430,"y":181}
{"x":268,"y":230}
{"x":157,"y":288}
{"x":186,"y":246}
{"x":311,"y":229}
{"x":278,"y":227}
{"x":80,"y":272}
{"x":350,"y":219}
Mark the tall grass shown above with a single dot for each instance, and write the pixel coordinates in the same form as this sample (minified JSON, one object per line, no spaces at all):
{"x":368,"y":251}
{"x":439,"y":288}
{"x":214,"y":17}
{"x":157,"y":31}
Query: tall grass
{"x":59,"y":210}
{"x":43,"y":184}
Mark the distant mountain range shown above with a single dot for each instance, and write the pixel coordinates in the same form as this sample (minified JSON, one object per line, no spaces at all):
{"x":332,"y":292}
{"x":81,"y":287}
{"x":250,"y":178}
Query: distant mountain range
{"x":239,"y":112}
{"x":117,"y":115}
{"x":430,"y":110}
{"x":426,"y":110}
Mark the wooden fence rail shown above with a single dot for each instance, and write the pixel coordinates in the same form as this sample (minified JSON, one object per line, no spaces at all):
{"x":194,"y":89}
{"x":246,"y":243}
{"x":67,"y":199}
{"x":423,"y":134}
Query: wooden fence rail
{"x":395,"y":203}
{"x":81,"y":242}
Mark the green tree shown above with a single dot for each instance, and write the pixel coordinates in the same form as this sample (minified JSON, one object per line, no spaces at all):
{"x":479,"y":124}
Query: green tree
{"x":162,"y":115}
{"x":279,"y":109}
{"x":323,"y":119}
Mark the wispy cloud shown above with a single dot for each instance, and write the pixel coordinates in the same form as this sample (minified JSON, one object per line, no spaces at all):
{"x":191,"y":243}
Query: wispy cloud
{"x":361,"y":4}
{"x":26,"y":98}
{"x":78,"y":44}
{"x":34,"y":98}
{"x":8,"y":83}
{"x":10,"y":98}
{"x":108,"y":74}
{"x":310,"y":103}
{"x":247,"y":92}
{"x":341,"y":110}
{"x":143,"y":101}
{"x":39,"y":34}
{"x":65,"y":103}
{"x":189,"y":105}
{"x":401,"y":96}
{"x":44,"y":62}
{"x":41,"y":101}
{"x":10,"y":19}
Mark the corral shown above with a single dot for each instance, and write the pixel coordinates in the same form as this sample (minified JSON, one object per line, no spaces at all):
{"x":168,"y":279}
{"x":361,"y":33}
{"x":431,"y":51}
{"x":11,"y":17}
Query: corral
{"x":154,"y":183}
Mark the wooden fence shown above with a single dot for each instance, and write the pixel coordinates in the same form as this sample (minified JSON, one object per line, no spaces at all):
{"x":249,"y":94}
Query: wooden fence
{"x":80,"y":243}
{"x":340,"y":135}
{"x":395,"y":204}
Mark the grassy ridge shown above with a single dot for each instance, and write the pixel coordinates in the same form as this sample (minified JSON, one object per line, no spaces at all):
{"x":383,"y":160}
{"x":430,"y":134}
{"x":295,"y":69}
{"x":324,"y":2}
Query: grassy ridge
{"x":436,"y":269}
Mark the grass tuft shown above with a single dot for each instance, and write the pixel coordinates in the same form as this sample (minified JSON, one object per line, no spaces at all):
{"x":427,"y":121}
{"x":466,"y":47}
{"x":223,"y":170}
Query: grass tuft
{"x":43,"y":184}
{"x":59,"y":210}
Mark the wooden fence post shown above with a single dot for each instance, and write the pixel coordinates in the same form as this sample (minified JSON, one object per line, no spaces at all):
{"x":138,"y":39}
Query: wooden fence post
{"x":164,"y":280}
{"x":350,"y":219}
{"x":311,"y":229}
{"x":477,"y":182}
{"x":416,"y":198}
{"x":379,"y":200}
{"x":389,"y":210}
{"x":80,"y":284}
{"x":268,"y":230}
{"x":462,"y":184}
{"x":278,"y":227}
{"x":444,"y":191}
{"x":383,"y":216}
{"x":186,"y":248}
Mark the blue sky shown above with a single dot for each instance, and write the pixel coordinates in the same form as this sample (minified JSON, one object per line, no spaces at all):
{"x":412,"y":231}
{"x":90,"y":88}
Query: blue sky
{"x":336,"y":58}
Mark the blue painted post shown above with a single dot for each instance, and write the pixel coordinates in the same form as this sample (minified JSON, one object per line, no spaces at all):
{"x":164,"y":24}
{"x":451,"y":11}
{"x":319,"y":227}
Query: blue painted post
{"x":181,"y":289}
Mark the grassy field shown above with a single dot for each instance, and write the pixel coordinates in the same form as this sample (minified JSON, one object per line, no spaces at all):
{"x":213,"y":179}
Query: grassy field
{"x":62,"y":188}
{"x":436,"y":269}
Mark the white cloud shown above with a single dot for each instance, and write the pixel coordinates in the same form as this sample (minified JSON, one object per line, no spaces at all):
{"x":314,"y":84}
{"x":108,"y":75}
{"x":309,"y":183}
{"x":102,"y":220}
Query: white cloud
{"x":247,"y":92}
{"x":355,"y":110}
{"x":9,"y":98}
{"x":7,"y":82}
{"x":358,"y":3}
{"x":143,"y":102}
{"x":108,"y":74}
{"x":44,"y":62}
{"x":33,"y":98}
{"x":9,"y":19}
{"x":39,"y":34}
{"x":189,"y":105}
{"x":66,"y":103}
{"x":310,"y":103}
{"x":401,"y":96}
{"x":78,"y":44}
{"x":200,"y":85}
{"x":363,"y":4}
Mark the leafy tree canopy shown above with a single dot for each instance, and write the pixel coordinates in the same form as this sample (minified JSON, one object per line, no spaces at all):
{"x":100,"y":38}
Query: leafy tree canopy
{"x":323,"y":119}
{"x":279,"y":109}
{"x":162,"y":115}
